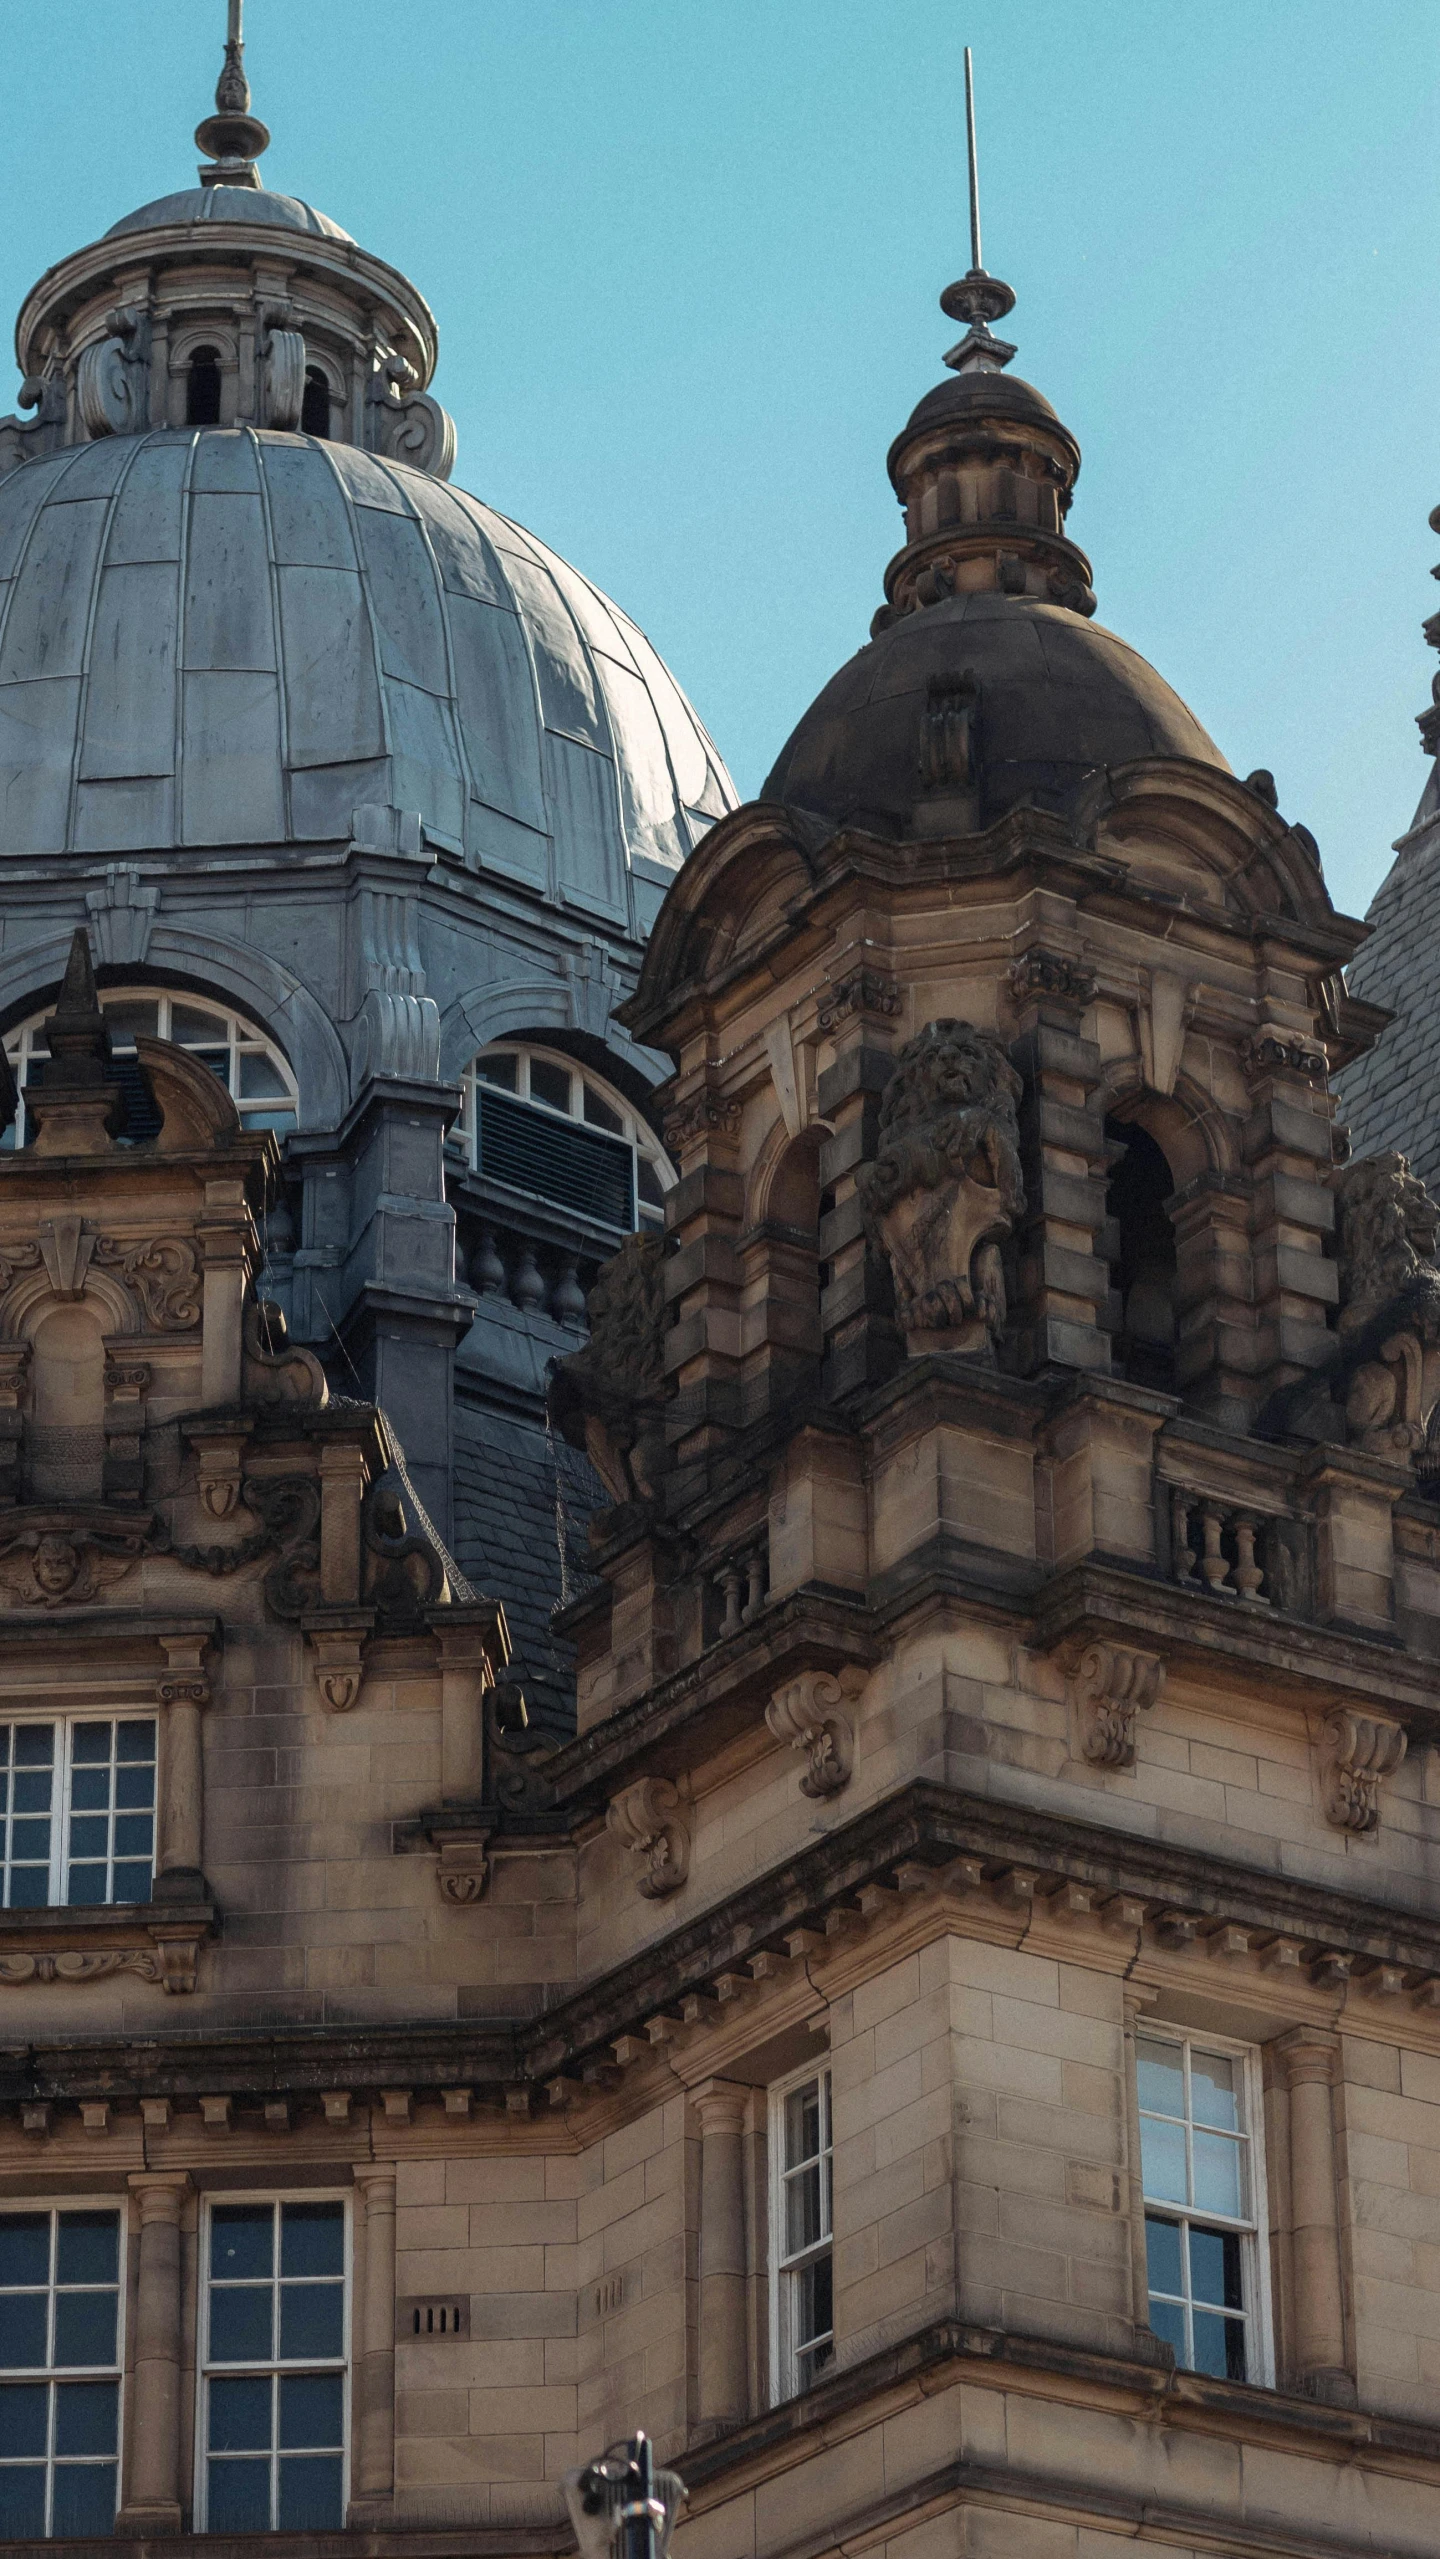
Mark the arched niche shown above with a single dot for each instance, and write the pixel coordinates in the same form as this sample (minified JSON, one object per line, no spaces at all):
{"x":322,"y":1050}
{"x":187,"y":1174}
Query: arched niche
{"x":782,"y":1275}
{"x":65,"y":1435}
{"x":1143,"y":1256}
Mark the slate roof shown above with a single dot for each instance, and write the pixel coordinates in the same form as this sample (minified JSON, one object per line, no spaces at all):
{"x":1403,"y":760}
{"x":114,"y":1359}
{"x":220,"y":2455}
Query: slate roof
{"x":1391,"y":1097}
{"x":506,"y":1544}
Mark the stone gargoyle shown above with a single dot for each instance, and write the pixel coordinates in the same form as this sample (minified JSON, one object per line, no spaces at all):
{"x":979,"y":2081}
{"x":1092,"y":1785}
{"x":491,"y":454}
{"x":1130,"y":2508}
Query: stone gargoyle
{"x":1380,"y":1390}
{"x":609,"y":1397}
{"x":946,"y":1187}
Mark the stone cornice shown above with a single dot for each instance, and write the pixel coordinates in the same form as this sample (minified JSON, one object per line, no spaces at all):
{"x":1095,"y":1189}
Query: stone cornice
{"x":1006,"y":1862}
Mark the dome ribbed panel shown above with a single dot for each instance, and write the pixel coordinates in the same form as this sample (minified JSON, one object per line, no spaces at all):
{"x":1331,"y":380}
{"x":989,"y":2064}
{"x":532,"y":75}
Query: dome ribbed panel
{"x":228,"y":637}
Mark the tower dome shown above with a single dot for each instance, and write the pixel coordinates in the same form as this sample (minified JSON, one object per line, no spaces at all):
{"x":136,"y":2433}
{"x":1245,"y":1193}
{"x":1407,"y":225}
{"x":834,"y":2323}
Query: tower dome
{"x":987,"y":625}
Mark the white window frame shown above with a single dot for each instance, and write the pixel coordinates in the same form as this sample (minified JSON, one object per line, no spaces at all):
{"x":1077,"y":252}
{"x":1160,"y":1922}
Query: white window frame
{"x":1254,"y":2230}
{"x":206,"y":2371}
{"x":237,"y":1036}
{"x":785,"y":2378}
{"x":51,"y":2373}
{"x":634,"y":1129}
{"x":62,"y":1812}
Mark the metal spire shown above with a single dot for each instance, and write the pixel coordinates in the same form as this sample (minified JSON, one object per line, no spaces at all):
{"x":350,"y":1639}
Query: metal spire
{"x":232,"y":136}
{"x":978,"y":297}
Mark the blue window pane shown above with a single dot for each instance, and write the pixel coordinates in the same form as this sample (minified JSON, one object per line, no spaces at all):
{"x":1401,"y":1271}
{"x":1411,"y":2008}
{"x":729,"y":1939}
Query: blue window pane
{"x":86,"y":1885}
{"x":23,"y":2419}
{"x":29,"y":1888}
{"x":134,"y":1786}
{"x":89,"y":1835}
{"x":91,"y":1742}
{"x":22,"y":2504}
{"x":135,"y":1740}
{"x":312,"y":2321}
{"x":241,"y":2240}
{"x":310,"y":2493}
{"x":85,"y":2415}
{"x":24,"y":2248}
{"x":1162,"y":2252}
{"x":1162,"y":2160}
{"x":1215,"y":2268}
{"x":88,"y":2248}
{"x":90,"y":1790}
{"x":85,"y":2328}
{"x":84,"y":2498}
{"x":240,"y":2415}
{"x":239,"y":2496}
{"x":34,"y":1745}
{"x":1168,"y":2321}
{"x":134,"y":1883}
{"x":22,"y":2330}
{"x":1218,"y":2175}
{"x":311,"y":2411}
{"x":240,"y":2324}
{"x":133,"y":1832}
{"x":312,"y":2239}
{"x":32,"y":1790}
{"x":1219,"y":2346}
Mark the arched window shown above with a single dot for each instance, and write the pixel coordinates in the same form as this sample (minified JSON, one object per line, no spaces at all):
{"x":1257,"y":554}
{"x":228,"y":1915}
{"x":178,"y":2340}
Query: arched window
{"x":539,"y":1124}
{"x":202,"y":388}
{"x":1144,"y":1272}
{"x":315,"y":406}
{"x":252,"y":1070}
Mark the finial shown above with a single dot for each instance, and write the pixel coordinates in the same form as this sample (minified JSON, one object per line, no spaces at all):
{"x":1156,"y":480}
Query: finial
{"x":233,"y":137}
{"x":978,"y":297}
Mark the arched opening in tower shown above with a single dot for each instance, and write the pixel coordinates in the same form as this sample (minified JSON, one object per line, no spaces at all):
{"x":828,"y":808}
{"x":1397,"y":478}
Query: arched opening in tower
{"x":202,"y":389}
{"x":1143,"y":1265}
{"x":315,"y":407}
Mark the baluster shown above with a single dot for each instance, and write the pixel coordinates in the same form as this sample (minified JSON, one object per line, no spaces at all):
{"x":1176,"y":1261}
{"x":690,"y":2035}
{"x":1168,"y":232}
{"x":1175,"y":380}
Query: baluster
{"x":755,"y":1592}
{"x":1183,"y":1558}
{"x":729,"y":1579}
{"x":1249,"y":1574}
{"x":1212,"y":1562}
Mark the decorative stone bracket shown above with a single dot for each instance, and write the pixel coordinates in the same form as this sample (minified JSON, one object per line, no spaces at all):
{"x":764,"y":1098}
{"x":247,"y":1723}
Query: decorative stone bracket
{"x":650,"y":1819}
{"x":809,"y":1714}
{"x":1357,"y":1752}
{"x":1111,"y":1685}
{"x":337,"y":1638}
{"x":463,"y":1869}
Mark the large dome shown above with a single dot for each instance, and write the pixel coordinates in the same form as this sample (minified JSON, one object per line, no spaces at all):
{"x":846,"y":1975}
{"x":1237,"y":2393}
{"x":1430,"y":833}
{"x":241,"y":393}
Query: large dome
{"x":247,"y":205}
{"x":1058,"y":699}
{"x":240,"y":636}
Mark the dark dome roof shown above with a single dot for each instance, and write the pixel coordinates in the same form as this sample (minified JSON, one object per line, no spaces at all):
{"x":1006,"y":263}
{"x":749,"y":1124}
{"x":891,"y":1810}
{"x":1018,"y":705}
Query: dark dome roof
{"x":1060,"y":698}
{"x":990,"y":395}
{"x":228,"y":204}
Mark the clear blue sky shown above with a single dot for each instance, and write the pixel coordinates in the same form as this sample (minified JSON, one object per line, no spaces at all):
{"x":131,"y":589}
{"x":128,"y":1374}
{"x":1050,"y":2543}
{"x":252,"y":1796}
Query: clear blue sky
{"x":685,"y":257}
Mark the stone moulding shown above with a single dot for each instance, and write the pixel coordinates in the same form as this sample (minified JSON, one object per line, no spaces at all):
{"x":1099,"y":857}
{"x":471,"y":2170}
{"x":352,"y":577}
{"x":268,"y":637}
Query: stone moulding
{"x":1113,"y":1683}
{"x":1357,"y":1752}
{"x":810,"y":1713}
{"x":649,"y":1819}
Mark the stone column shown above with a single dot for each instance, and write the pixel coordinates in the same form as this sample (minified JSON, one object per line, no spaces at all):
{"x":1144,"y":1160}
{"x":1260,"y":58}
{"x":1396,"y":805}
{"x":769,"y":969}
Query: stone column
{"x":153,"y":2503}
{"x":1308,"y":2055}
{"x":181,"y":1802}
{"x":375,"y":2355}
{"x":724,"y":2361}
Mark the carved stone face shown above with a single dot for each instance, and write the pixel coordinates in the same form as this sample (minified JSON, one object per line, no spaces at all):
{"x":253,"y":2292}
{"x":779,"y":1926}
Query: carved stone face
{"x":56,"y":1566}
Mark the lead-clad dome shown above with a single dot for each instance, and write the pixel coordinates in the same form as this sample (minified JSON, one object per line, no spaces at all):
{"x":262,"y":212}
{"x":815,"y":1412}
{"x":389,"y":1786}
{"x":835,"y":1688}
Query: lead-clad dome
{"x":229,"y":204}
{"x":239,"y":636}
{"x":1057,"y":698}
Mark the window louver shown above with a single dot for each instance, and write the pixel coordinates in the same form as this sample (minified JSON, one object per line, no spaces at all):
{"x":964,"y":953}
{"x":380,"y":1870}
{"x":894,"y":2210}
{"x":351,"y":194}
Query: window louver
{"x":555,"y":1159}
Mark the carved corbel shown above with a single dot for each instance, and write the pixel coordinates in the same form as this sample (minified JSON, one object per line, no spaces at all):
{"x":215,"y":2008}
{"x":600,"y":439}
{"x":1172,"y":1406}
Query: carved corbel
{"x":462,"y":1869}
{"x":337,"y":1640}
{"x":1357,"y":1752}
{"x":113,"y":376}
{"x":220,"y":1461}
{"x":649,"y":1819}
{"x":1112,"y":1683}
{"x":809,"y":1713}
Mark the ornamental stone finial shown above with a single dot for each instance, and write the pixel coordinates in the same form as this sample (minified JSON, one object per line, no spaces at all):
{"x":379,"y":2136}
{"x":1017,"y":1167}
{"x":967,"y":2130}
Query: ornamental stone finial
{"x":232,"y":136}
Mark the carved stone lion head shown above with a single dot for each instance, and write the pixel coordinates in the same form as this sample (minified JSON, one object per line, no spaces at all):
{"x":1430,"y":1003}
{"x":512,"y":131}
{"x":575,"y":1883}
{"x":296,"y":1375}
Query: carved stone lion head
{"x":946,"y":1184}
{"x":1388,"y":1229}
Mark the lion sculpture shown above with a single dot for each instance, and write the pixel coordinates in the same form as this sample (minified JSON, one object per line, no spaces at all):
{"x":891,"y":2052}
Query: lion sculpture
{"x":609,"y":1398}
{"x":946,"y":1187}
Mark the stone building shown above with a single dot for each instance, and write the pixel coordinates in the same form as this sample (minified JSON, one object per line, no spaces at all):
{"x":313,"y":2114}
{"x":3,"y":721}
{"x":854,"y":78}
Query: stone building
{"x":948,"y":2037}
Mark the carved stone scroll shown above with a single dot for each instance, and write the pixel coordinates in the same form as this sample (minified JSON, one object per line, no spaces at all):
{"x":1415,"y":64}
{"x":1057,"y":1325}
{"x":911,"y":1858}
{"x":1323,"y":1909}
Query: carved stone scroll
{"x":1112,"y":1685}
{"x":810,"y":1714}
{"x":112,"y":377}
{"x":1357,"y":1753}
{"x":946,"y":1185}
{"x":164,"y":1275}
{"x":649,"y":1819}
